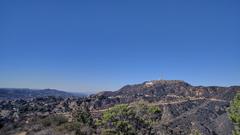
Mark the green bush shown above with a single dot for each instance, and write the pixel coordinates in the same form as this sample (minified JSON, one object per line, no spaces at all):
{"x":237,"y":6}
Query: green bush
{"x":154,"y":110}
{"x":108,"y":132}
{"x":82,"y":122}
{"x":234,"y":113}
{"x":54,"y":120}
{"x":83,"y":115}
{"x":196,"y":132}
{"x":127,"y":119}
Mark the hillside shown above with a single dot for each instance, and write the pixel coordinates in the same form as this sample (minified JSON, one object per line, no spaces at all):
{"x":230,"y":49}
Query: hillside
{"x":185,"y":107}
{"x":181,"y":109}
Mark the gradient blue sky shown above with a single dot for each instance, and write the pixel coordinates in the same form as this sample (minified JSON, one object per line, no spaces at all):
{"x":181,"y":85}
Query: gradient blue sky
{"x":90,"y":46}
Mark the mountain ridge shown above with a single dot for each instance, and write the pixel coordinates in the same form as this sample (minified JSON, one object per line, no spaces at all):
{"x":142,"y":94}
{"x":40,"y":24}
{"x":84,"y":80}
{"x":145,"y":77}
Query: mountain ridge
{"x":184,"y":108}
{"x":166,"y":86}
{"x":26,"y":93}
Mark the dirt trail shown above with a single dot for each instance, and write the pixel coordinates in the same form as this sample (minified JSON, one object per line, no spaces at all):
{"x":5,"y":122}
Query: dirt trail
{"x":174,"y":102}
{"x":22,"y":133}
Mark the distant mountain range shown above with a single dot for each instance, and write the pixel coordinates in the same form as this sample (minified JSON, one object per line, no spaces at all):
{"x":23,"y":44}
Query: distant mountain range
{"x":25,"y":93}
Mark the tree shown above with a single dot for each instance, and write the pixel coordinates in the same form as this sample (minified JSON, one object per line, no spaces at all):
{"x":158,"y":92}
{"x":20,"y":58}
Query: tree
{"x":83,"y":115}
{"x":82,"y":121}
{"x":116,"y":120}
{"x":127,"y":119}
{"x":234,"y":114}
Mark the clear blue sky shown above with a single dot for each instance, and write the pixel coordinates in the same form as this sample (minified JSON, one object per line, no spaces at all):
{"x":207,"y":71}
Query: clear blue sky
{"x":93,"y":45}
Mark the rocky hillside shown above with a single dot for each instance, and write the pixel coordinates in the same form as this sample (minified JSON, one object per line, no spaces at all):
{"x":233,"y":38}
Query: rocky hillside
{"x":159,"y":90}
{"x":184,"y":109}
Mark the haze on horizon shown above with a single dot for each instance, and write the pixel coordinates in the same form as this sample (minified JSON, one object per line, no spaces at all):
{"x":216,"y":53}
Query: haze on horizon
{"x":90,"y":46}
